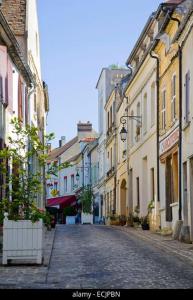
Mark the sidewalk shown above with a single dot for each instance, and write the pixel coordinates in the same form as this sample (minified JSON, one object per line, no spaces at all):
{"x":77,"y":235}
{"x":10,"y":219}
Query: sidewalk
{"x":165,"y":243}
{"x":47,"y":248}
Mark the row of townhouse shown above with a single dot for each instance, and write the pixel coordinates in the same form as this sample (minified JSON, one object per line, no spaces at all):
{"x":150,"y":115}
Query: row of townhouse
{"x":23,"y":94}
{"x":151,"y":161}
{"x":81,"y":156}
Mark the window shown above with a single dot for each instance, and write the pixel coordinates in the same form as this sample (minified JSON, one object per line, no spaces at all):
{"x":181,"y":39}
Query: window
{"x":111,"y":116}
{"x":187,"y":95}
{"x":131,"y":136}
{"x":55,"y":186}
{"x":72,"y":183}
{"x":145,"y":114}
{"x":152,"y":185}
{"x":65,"y":184}
{"x":114,"y":113}
{"x":138,"y":131}
{"x":163,"y":111}
{"x":108,"y":120}
{"x":173,"y":100}
{"x":138,"y":193}
{"x":35,"y":102}
{"x":20,"y":99}
{"x":153,"y":104}
{"x":111,"y":158}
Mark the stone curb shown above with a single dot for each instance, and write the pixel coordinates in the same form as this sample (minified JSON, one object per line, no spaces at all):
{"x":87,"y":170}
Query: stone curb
{"x":163,"y":245}
{"x":48,"y":247}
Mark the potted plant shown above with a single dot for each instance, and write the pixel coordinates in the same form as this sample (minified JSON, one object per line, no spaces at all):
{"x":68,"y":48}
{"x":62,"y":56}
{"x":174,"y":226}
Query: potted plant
{"x":86,"y":198}
{"x":21,"y":210}
{"x":145,"y":223}
{"x":122,"y":220}
{"x":114,"y":220}
{"x":130,"y":220}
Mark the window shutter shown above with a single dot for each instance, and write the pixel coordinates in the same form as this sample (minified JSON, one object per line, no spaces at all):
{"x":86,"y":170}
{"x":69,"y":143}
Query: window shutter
{"x":3,"y":73}
{"x":187,"y":87}
{"x":10,"y":84}
{"x":20,"y":100}
{"x":26,"y":106}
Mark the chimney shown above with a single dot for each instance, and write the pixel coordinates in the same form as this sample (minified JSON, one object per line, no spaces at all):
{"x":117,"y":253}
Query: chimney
{"x":84,"y":127}
{"x":62,"y":142}
{"x":173,"y":1}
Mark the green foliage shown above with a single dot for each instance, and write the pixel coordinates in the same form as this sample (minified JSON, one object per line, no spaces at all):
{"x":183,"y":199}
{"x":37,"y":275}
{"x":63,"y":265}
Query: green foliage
{"x":86,"y":198}
{"x":69,"y":211}
{"x":25,"y":183}
{"x":151,"y":206}
{"x":130,"y":219}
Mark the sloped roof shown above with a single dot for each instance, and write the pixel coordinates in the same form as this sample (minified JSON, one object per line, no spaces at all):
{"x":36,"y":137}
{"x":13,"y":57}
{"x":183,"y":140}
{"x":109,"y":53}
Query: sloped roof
{"x":88,"y":139}
{"x":74,"y":158}
{"x":58,"y":151}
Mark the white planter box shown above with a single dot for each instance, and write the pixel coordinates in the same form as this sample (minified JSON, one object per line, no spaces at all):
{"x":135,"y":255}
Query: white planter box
{"x":22,"y":240}
{"x":86,"y":218}
{"x":70,"y":220}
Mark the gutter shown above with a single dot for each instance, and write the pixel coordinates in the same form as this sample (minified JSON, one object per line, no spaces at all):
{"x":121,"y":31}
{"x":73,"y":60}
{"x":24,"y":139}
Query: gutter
{"x":158,"y":121}
{"x":180,"y":123}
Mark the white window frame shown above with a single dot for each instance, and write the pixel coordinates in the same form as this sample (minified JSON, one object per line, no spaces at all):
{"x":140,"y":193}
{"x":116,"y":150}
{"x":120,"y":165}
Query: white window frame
{"x":173,"y":98}
{"x":163,"y":111}
{"x":65,"y":184}
{"x":132,"y":129}
{"x":138,"y":137}
{"x":72,"y":182}
{"x":153,"y":103}
{"x":144,"y":113}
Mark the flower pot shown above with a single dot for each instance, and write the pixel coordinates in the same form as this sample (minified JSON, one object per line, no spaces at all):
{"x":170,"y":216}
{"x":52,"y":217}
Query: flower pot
{"x":22,"y":240}
{"x":145,"y":226}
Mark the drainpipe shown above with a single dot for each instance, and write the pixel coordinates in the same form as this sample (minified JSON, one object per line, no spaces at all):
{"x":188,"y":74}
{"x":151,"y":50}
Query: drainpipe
{"x":158,"y":120}
{"x":180,"y":132}
{"x":180,"y":122}
{"x":128,"y":169}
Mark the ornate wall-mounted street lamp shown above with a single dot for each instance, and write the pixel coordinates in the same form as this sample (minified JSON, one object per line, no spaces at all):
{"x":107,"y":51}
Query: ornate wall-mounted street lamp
{"x":123,"y":121}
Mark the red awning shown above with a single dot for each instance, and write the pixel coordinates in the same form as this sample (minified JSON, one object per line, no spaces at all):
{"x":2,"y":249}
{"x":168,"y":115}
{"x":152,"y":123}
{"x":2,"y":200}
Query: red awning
{"x":62,"y":201}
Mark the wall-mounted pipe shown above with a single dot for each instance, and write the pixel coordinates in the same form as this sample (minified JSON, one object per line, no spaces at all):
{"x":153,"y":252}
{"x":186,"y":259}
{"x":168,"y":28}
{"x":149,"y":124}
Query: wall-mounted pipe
{"x":158,"y":121}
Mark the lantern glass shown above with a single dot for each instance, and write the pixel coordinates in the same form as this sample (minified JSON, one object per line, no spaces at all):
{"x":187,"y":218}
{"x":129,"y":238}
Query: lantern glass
{"x":123,"y":134}
{"x":77,"y":176}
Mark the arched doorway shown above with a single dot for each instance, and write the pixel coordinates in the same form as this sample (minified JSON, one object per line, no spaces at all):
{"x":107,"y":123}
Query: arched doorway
{"x":123,"y":198}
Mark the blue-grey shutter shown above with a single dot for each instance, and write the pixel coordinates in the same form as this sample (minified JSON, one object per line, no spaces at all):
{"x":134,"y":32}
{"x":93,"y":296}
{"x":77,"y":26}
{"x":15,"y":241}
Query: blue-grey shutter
{"x":187,"y":95}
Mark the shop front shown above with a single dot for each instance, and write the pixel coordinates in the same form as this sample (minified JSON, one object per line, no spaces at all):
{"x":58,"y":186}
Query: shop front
{"x":169,"y":183}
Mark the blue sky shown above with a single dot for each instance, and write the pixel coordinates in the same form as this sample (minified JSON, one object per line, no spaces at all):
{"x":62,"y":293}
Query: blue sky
{"x":78,"y":38}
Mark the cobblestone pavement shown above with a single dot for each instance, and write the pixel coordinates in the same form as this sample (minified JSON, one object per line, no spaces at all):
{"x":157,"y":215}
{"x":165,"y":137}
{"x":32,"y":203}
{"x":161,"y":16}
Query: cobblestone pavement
{"x":103,"y":258}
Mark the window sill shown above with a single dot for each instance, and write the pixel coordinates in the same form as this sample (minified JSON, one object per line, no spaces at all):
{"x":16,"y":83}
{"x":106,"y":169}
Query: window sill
{"x":186,"y":125}
{"x":174,"y":204}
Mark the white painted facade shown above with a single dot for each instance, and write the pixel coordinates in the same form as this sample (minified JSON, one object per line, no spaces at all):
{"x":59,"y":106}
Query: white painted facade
{"x":106,"y":83}
{"x":187,"y":124}
{"x":142,"y":148}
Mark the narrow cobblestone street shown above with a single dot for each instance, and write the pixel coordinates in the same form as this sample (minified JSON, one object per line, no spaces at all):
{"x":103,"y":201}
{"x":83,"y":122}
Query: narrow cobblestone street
{"x":101,"y":257}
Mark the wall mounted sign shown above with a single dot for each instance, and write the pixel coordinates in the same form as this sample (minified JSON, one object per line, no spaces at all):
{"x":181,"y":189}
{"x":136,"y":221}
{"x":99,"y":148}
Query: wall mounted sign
{"x":169,"y":141}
